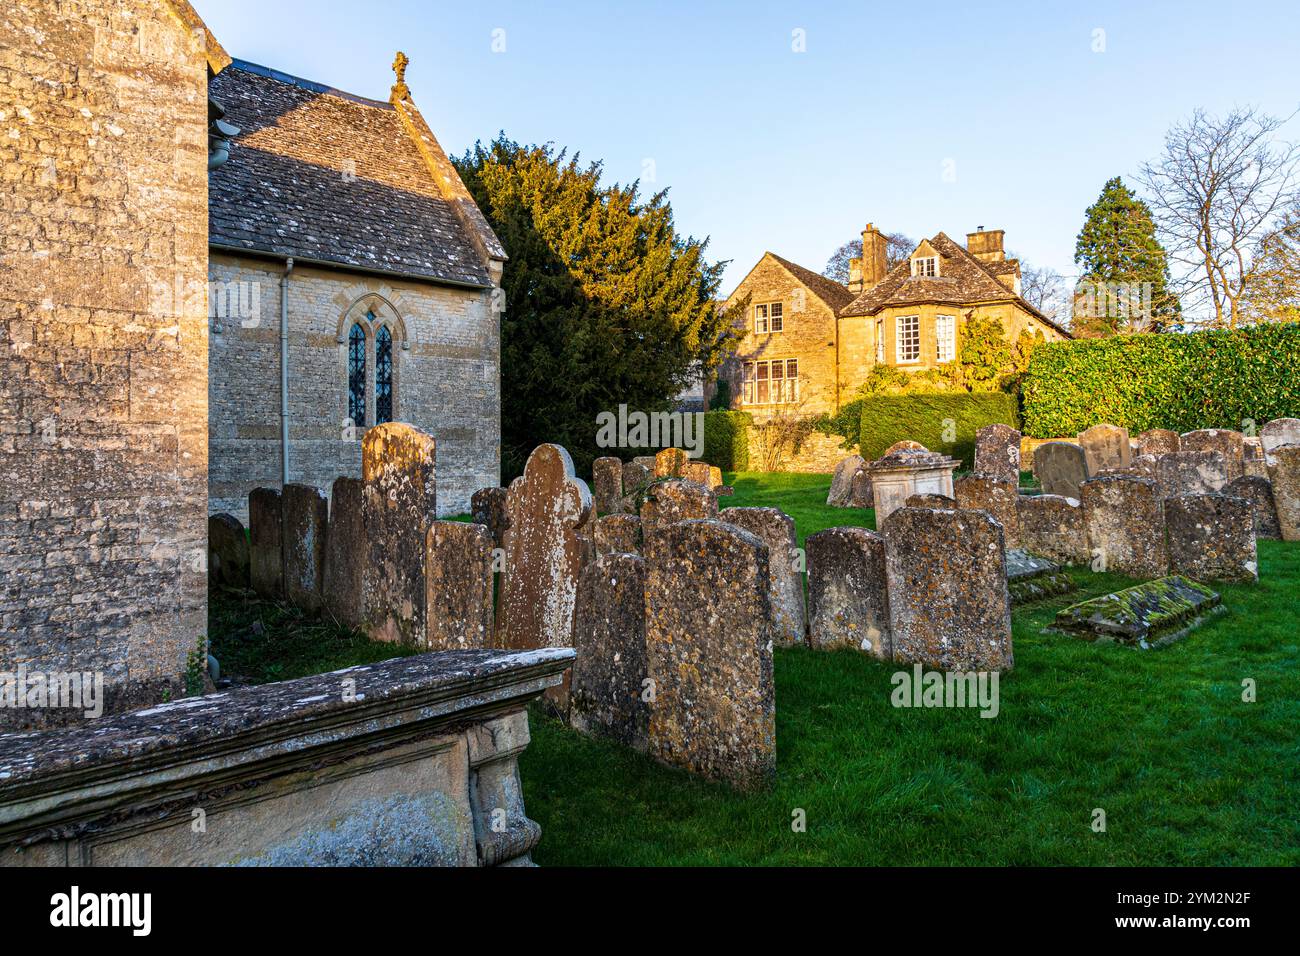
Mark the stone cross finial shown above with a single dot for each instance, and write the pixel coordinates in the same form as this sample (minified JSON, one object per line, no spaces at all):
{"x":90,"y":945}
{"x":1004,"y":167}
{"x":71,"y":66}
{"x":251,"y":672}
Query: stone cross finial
{"x":400,"y":89}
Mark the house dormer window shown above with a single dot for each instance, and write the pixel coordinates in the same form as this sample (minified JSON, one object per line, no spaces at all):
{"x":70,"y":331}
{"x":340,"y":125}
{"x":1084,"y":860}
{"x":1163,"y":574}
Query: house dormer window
{"x":768,"y":317}
{"x":925,"y":267}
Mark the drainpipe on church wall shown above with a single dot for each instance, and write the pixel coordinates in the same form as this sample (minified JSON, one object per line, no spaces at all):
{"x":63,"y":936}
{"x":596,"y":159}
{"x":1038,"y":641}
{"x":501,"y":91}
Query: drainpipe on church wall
{"x":284,"y":371}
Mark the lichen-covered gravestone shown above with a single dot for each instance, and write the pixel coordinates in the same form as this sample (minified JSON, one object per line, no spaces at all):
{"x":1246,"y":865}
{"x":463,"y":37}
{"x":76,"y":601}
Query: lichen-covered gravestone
{"x":345,"y":553}
{"x":458,"y":586}
{"x":1051,"y":526}
{"x":1253,"y":465}
{"x":617,"y":534}
{"x":997,"y":496}
{"x":1105,"y":448}
{"x":607,"y":485}
{"x":1202,"y":472}
{"x":709,"y":652}
{"x":776,"y":529}
{"x":1033,"y":578}
{"x":1125,"y":523}
{"x":841,"y":491}
{"x":227,"y":552}
{"x":1157,"y":441}
{"x":635,"y":477}
{"x":266,"y":542}
{"x":1279,"y":432}
{"x":929,"y":500}
{"x":1212,"y":538}
{"x":861,"y":493}
{"x":670,"y":463}
{"x":398,"y":507}
{"x":1150,"y":615}
{"x":668,"y":502}
{"x":1061,"y":468}
{"x":1259,"y":492}
{"x":306,"y":513}
{"x":611,"y":680}
{"x":848,"y":602}
{"x":1284,"y":473}
{"x":1227,"y":443}
{"x":997,"y":452}
{"x":488,"y":508}
{"x":949,"y":606}
{"x":547,"y":506}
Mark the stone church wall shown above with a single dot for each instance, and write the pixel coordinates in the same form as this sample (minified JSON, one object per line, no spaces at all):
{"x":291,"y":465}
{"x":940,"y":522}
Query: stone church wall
{"x":446,"y":378}
{"x":103,"y":347}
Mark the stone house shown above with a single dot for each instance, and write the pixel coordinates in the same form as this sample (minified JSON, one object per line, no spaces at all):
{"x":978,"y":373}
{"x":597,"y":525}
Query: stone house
{"x":810,"y":343}
{"x":352,"y":284}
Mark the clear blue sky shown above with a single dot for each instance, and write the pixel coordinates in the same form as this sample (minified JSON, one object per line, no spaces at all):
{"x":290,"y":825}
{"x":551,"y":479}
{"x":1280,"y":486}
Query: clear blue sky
{"x":766,"y":148}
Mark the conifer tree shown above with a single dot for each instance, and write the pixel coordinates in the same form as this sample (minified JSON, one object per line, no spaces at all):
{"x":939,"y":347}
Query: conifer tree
{"x":605,"y":304}
{"x":1117,"y":253}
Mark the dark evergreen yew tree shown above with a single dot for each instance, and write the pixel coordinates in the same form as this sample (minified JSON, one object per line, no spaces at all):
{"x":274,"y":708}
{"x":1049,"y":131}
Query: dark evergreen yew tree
{"x":605,"y":304}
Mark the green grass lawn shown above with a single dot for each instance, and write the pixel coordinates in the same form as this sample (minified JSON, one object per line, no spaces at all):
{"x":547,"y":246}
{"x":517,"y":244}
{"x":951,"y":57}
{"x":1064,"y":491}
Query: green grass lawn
{"x":1186,"y":772}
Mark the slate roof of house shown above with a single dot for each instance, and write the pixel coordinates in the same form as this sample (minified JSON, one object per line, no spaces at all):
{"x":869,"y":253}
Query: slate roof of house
{"x":828,"y":290}
{"x":962,"y":280}
{"x":323,"y":175}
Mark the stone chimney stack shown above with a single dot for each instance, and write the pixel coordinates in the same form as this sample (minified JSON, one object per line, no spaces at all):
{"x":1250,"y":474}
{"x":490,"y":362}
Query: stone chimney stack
{"x":855,"y":276}
{"x":986,"y":246}
{"x":873,"y":256}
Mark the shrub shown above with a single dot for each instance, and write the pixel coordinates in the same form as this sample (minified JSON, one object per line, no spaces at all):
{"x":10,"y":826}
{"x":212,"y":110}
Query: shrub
{"x":1217,"y":379}
{"x":726,"y":439}
{"x":941,"y":421}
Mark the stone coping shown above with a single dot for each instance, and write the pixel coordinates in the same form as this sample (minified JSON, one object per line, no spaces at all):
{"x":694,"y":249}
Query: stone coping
{"x":176,"y":746}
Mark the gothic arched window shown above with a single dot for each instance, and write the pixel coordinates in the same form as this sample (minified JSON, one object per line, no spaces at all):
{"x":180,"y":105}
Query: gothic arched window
{"x":383,"y":376}
{"x":357,"y":375}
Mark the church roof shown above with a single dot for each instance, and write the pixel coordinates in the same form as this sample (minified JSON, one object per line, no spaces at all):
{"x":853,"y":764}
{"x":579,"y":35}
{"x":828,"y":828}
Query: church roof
{"x":329,"y":177}
{"x":962,"y":280}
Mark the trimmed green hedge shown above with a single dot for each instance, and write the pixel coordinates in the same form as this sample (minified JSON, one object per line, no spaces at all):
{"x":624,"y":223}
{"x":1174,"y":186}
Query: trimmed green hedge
{"x":1183,"y":382}
{"x":933,"y":418}
{"x":726,"y":439}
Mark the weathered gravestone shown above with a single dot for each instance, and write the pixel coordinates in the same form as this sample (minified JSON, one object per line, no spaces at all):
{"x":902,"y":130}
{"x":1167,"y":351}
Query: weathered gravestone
{"x":997,"y":452}
{"x":607,"y":485}
{"x":670,"y":463}
{"x":1125,"y":523}
{"x":1284,"y":473}
{"x":709,"y":652}
{"x":1191,"y":473}
{"x":1145,"y":466}
{"x":1031,"y":578}
{"x":1279,"y":432}
{"x":905,"y":445}
{"x":1051,"y":526}
{"x":635,"y":478}
{"x":1253,"y":464}
{"x":702,"y":473}
{"x":861,"y":494}
{"x":488,"y":508}
{"x":1061,"y":468}
{"x":668,"y":502}
{"x":227,"y":552}
{"x":997,"y":496}
{"x":547,"y":506}
{"x":1157,"y":441}
{"x":1152,"y":614}
{"x":848,"y":602}
{"x":458,"y":586}
{"x":1259,"y":492}
{"x":905,"y":472}
{"x":345,"y":553}
{"x":398,"y":506}
{"x":611,"y":680}
{"x":1212,"y":538}
{"x":949,"y":607}
{"x":929,"y":500}
{"x":306,"y":513}
{"x":1105,"y":448}
{"x":617,"y":534}
{"x":840,"y":495}
{"x":1227,"y":443}
{"x":266,"y":542}
{"x":776,"y":529}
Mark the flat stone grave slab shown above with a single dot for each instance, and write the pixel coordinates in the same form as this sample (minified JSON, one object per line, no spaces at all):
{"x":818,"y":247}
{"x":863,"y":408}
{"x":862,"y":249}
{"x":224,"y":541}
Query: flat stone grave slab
{"x":1031,"y":578}
{"x":1150,"y":615}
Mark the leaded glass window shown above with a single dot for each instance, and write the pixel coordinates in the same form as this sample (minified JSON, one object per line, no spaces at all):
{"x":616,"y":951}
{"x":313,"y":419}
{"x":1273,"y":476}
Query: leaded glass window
{"x":357,"y":375}
{"x":383,"y":376}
